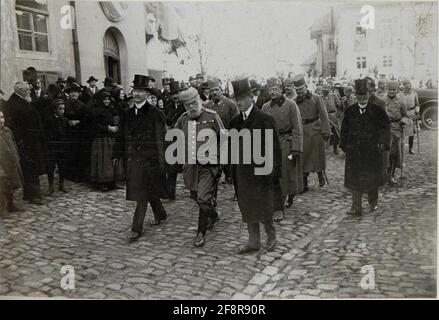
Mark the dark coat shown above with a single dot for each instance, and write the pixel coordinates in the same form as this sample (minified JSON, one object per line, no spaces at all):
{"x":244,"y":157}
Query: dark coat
{"x":360,"y":136}
{"x":56,"y":133}
{"x":255,"y":193}
{"x":25,"y":124}
{"x":142,"y":144}
{"x":10,"y":169}
{"x":173,"y":111}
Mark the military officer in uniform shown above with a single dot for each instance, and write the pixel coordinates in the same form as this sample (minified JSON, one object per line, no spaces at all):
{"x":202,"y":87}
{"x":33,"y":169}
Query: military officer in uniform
{"x":316,"y":129}
{"x":226,"y":109}
{"x":412,"y":102}
{"x":142,"y":142}
{"x":199,"y":176}
{"x":332,"y":104}
{"x":166,"y":94}
{"x":288,"y":122}
{"x":397,"y":111}
{"x":365,"y":135}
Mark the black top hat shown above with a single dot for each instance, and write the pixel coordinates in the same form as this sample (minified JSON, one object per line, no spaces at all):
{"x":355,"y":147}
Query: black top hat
{"x":61,"y":80}
{"x":91,"y":78}
{"x":174,"y":87}
{"x":241,"y":87}
{"x":361,"y":86}
{"x":108,"y":81}
{"x":140,"y":81}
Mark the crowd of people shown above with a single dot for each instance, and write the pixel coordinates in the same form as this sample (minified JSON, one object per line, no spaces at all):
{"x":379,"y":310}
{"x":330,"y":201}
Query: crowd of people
{"x":105,"y":137}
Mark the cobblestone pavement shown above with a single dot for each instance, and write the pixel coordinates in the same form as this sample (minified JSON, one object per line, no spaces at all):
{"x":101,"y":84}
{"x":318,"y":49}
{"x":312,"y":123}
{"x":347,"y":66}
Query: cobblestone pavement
{"x":320,"y":251}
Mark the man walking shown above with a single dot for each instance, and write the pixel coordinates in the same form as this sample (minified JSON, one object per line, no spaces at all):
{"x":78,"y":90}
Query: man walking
{"x":255,"y":193}
{"x":365,"y":135}
{"x":316,"y":129}
{"x":412,"y":102}
{"x":143,"y":137}
{"x":200,"y":176}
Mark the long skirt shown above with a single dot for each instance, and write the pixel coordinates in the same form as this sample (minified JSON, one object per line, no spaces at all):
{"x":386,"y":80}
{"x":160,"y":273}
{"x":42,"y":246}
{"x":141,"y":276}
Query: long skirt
{"x":101,"y":167}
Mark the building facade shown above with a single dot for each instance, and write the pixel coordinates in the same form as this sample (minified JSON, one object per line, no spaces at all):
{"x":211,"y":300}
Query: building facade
{"x":83,"y":38}
{"x":401,"y":43}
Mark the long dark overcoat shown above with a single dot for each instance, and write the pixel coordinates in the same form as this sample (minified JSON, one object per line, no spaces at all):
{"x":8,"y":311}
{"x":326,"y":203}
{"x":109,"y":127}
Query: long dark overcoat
{"x":25,"y":124}
{"x":360,"y":136}
{"x":255,"y":193}
{"x":142,"y":142}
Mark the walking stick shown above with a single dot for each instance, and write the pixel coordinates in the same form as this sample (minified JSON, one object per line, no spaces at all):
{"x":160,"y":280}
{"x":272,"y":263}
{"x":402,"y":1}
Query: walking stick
{"x":417,"y":135}
{"x":326,"y":178}
{"x":402,"y":153}
{"x":190,"y":209}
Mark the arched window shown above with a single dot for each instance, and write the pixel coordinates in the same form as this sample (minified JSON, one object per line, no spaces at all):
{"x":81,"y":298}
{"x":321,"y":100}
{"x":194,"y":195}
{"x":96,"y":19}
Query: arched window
{"x":111,"y":56}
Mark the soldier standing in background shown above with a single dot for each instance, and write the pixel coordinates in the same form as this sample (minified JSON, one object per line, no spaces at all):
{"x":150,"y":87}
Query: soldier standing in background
{"x":316,"y":130}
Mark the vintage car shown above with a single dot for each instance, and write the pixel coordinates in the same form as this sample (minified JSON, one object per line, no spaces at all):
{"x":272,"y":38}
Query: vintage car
{"x":428,"y":102}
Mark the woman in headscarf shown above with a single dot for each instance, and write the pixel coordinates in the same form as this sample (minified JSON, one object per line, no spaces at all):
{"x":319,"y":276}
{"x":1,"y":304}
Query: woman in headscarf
{"x":102,"y":172}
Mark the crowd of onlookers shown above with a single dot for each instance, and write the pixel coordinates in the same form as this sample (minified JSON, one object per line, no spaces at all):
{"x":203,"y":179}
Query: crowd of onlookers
{"x":75,"y":128}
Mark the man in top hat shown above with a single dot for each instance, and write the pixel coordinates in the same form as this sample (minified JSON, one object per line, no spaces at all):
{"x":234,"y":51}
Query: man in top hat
{"x":255,"y":193}
{"x":412,"y":102}
{"x":288,"y":123}
{"x":316,"y":129}
{"x":396,"y":109}
{"x":332,"y":104}
{"x":200,"y":176}
{"x":142,"y":144}
{"x":226,"y":109}
{"x":365,"y":135}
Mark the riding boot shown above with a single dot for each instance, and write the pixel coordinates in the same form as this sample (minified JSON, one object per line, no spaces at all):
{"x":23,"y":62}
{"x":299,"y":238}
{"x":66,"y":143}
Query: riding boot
{"x":411,"y":141}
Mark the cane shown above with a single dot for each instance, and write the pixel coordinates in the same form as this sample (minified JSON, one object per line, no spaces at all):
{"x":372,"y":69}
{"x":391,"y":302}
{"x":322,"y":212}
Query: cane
{"x":190,"y":209}
{"x":417,"y":135}
{"x":402,"y":153}
{"x":326,"y":178}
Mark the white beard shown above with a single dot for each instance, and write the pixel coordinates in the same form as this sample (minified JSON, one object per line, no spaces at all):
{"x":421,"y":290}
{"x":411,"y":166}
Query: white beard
{"x":28,"y":99}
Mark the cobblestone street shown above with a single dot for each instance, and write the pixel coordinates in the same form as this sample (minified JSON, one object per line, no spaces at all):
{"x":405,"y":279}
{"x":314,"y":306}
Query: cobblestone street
{"x":320,"y":251}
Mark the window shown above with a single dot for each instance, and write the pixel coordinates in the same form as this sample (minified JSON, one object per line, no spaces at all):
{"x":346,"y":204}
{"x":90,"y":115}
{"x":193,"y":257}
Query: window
{"x":387,"y":61}
{"x":360,"y":38}
{"x":32,"y":17}
{"x":331,"y":44}
{"x":361,"y":62}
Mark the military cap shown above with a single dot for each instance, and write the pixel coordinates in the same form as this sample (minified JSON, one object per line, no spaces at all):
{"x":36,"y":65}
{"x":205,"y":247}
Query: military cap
{"x":213,"y":84}
{"x":288,"y":81}
{"x":392,"y":84}
{"x":73,"y":87}
{"x":57,"y":102}
{"x":299,"y":81}
{"x":274,"y":82}
{"x":189,"y":96}
{"x":204,"y":85}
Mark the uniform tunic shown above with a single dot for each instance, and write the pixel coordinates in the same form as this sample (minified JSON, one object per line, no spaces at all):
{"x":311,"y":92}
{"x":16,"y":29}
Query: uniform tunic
{"x":315,"y":123}
{"x":290,"y":131}
{"x":226,"y":108}
{"x":331,"y":104}
{"x":411,"y":101}
{"x":196,"y":176}
{"x":11,"y":176}
{"x":396,"y":110}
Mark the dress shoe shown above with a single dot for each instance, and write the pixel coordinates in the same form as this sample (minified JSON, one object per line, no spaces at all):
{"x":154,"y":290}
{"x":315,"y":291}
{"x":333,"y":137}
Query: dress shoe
{"x":37,"y":201}
{"x":134,"y":236}
{"x":199,"y":240}
{"x":246,"y":249}
{"x":411,"y":151}
{"x":271,"y":244}
{"x":354,"y":212}
{"x":278,"y":216}
{"x":155,"y":222}
{"x":14,"y":208}
{"x":393,"y":181}
{"x":289,"y":201}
